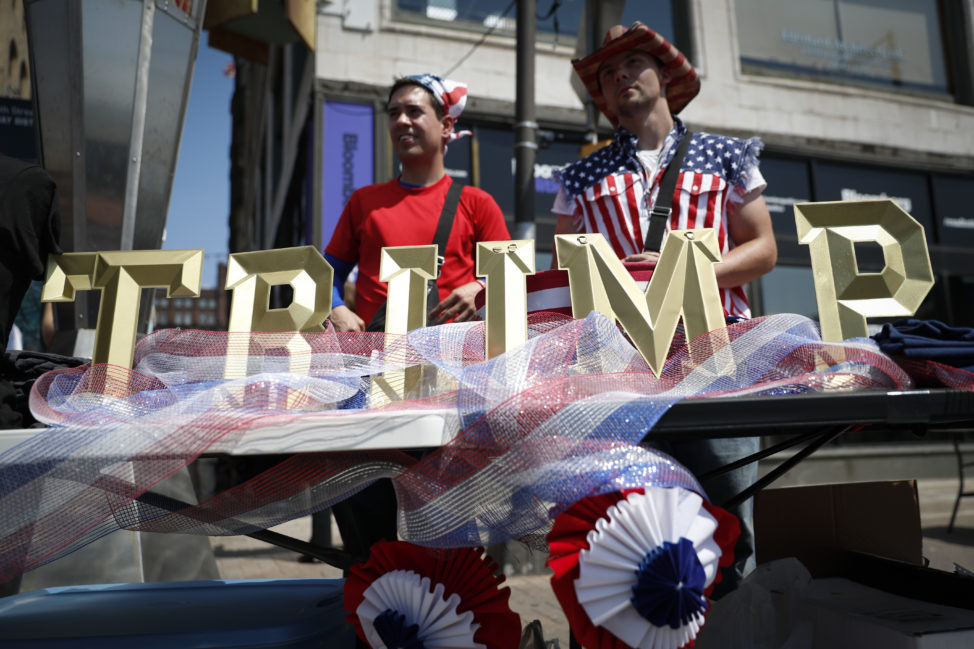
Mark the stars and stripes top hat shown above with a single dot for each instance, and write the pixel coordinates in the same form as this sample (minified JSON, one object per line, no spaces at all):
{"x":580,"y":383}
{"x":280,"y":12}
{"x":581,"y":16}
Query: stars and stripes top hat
{"x":684,"y":84}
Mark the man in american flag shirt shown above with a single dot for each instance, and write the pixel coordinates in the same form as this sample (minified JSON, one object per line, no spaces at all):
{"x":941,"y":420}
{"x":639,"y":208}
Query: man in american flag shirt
{"x":640,"y":82}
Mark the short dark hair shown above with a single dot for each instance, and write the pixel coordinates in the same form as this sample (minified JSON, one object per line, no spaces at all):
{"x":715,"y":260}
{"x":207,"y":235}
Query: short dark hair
{"x":402,"y":82}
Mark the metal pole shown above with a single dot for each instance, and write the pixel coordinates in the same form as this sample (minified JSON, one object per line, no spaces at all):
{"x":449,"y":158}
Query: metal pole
{"x":593,"y":27}
{"x":525,"y":126}
{"x":131,"y":200}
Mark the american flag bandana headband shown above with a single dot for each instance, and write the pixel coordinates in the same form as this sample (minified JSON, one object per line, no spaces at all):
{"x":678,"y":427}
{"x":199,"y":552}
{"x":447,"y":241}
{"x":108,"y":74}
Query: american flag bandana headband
{"x":450,"y":95}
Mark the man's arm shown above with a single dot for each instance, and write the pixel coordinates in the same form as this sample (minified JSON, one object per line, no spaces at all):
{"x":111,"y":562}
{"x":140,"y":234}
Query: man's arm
{"x":567,"y":221}
{"x":755,"y":252}
{"x":342,"y":254}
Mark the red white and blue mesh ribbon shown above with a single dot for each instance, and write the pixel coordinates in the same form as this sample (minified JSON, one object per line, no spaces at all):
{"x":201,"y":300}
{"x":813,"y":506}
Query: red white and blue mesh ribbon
{"x":540,"y":427}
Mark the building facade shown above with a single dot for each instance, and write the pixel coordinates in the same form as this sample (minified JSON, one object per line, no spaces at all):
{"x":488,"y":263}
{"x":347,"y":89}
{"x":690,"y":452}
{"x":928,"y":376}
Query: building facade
{"x":210,"y":311}
{"x":853,"y":100}
{"x":16,"y":113}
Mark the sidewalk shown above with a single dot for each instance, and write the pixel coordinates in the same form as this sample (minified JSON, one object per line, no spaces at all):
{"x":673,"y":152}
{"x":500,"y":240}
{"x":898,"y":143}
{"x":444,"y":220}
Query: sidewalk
{"x":241,"y":557}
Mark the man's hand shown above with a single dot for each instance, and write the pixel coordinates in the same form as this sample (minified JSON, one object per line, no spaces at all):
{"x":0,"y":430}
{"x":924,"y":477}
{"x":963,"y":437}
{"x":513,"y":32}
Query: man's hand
{"x":458,"y":305}
{"x":345,"y":319}
{"x":643,"y":257}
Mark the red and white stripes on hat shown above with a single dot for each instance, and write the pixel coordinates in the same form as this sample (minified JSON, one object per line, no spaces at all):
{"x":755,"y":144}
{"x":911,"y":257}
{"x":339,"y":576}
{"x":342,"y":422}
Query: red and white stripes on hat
{"x":450,"y":95}
{"x":684,"y":84}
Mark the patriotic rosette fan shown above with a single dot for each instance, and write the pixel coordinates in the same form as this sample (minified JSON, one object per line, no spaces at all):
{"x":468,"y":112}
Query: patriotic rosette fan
{"x":409,"y":597}
{"x":634,"y":568}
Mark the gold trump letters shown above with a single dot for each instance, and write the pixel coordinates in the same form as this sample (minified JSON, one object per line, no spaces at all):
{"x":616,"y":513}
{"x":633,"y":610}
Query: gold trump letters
{"x":121,"y":276}
{"x":407,"y":270}
{"x":847,"y":297}
{"x":505,"y":265}
{"x":251,"y":275}
{"x":683,"y":284}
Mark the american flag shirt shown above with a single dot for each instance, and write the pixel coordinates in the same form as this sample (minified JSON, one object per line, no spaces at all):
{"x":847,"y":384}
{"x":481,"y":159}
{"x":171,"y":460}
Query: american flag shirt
{"x":612,"y":193}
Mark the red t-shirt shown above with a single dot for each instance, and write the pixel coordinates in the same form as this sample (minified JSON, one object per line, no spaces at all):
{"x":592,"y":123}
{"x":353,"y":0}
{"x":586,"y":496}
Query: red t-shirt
{"x":389,"y":214}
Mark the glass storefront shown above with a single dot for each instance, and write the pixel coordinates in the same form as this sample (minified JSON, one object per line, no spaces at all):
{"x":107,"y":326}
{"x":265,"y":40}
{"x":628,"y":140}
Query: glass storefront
{"x":496,"y":170}
{"x":939,"y":202}
{"x":890,"y":44}
{"x":559,"y":20}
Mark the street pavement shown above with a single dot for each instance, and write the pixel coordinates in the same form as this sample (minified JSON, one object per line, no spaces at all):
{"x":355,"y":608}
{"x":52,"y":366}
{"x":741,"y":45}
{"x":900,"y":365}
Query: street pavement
{"x":531,"y":596}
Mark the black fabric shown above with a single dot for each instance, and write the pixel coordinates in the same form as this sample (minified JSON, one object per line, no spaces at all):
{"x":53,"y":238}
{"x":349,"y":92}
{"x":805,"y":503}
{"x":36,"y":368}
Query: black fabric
{"x":928,"y":340}
{"x":366,"y":518}
{"x":659,"y":216}
{"x":29,"y":232}
{"x":440,"y":238}
{"x":20,"y":369}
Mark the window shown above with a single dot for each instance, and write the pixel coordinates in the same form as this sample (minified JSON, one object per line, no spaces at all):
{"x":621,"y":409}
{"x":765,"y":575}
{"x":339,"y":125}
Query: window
{"x":561,"y":22}
{"x":495,"y":147}
{"x":893,"y":44}
{"x":788,"y":289}
{"x":789,"y":182}
{"x":939,"y":202}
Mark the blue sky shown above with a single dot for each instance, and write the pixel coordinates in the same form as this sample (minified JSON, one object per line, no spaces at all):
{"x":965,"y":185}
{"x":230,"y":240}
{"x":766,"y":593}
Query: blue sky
{"x":200,"y":202}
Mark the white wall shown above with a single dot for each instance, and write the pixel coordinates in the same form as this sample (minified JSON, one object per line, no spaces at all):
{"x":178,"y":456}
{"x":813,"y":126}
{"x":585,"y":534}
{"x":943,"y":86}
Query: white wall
{"x":359,"y":42}
{"x":377,"y":56}
{"x":814,"y":111}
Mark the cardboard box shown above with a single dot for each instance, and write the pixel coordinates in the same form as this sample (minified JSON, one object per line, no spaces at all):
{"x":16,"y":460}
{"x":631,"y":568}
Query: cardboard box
{"x":847,"y":615}
{"x":821,"y":525}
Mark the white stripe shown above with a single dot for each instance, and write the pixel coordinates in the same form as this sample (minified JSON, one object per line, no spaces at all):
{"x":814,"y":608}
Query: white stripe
{"x":549,"y":299}
{"x":620,"y":214}
{"x":703,"y":217}
{"x":623,"y":201}
{"x":684,"y":201}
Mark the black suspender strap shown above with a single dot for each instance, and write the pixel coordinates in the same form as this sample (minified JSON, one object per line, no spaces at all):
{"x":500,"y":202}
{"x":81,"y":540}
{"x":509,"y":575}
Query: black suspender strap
{"x":445,"y":225}
{"x":443,"y":228}
{"x":659,"y":216}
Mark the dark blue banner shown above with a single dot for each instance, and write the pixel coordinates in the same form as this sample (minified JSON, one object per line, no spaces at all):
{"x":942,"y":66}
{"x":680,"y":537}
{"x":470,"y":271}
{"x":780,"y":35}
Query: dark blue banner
{"x":347,"y":158}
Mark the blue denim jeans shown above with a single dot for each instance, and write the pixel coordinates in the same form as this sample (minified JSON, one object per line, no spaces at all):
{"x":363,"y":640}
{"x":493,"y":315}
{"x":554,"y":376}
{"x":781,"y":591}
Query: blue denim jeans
{"x":705,"y":455}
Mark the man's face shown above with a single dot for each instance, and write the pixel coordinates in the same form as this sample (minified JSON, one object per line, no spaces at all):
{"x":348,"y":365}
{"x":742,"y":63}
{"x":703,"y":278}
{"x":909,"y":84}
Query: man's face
{"x":632,"y":82}
{"x":414,"y":127}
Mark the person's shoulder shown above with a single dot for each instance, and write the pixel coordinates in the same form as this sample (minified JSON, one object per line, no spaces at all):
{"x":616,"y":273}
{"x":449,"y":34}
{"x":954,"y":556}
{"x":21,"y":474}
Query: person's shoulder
{"x":734,"y":156}
{"x":478,"y":200}
{"x":578,"y":176}
{"x":721,"y":141}
{"x":13,"y":166}
{"x":23,"y":171}
{"x":595,"y":159}
{"x":725,"y":147}
{"x":367,"y":197}
{"x":476,"y":194}
{"x":19,"y":178}
{"x":376,"y":188}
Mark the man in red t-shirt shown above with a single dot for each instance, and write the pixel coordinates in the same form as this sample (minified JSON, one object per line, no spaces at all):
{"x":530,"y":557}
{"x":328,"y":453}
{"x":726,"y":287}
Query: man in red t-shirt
{"x":405,"y":211}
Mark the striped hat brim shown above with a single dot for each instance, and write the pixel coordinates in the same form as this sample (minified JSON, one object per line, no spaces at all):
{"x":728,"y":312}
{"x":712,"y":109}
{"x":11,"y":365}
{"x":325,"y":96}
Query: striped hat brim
{"x":684,"y":84}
